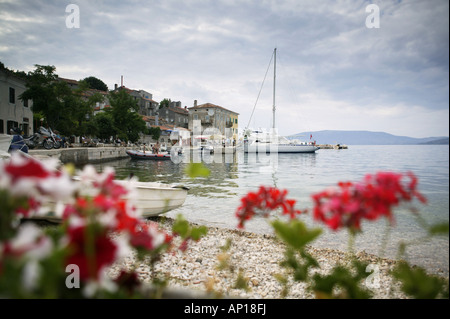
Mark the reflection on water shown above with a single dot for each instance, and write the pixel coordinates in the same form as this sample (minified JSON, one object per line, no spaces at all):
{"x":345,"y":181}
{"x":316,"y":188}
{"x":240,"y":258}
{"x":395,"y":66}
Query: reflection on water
{"x":214,"y":199}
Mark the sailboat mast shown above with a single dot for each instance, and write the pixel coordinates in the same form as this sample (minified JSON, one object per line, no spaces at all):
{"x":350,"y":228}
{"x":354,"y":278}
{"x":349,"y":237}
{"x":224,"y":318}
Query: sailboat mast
{"x":274,"y":78}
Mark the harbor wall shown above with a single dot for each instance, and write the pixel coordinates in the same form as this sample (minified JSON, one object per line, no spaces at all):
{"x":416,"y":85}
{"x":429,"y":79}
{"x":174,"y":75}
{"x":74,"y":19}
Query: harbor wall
{"x":83,"y":155}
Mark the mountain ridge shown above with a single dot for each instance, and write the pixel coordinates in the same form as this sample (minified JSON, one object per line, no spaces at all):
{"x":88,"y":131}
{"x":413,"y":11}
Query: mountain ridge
{"x":367,"y":138}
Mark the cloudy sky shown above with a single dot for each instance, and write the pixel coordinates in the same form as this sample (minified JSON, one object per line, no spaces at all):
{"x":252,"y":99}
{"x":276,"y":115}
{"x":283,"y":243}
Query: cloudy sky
{"x":333,"y":72}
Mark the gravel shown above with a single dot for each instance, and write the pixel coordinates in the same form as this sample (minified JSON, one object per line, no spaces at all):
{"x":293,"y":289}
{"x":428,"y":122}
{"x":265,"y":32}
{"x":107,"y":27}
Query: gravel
{"x":255,"y":258}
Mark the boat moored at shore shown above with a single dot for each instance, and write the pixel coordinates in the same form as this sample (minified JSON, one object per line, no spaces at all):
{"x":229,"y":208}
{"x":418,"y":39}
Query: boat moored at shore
{"x":142,"y":155}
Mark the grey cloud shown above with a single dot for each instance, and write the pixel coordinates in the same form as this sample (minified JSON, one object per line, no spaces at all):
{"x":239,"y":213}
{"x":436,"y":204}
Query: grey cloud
{"x":217,"y":51}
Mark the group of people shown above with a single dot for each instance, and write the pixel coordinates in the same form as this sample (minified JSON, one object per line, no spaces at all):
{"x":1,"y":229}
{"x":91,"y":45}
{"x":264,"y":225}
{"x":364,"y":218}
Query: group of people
{"x":155,"y":148}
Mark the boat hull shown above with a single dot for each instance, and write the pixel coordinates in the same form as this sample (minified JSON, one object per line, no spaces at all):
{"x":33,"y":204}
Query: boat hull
{"x":148,"y":156}
{"x":279,"y":148}
{"x":5,"y":142}
{"x":152,"y":199}
{"x":156,"y":198}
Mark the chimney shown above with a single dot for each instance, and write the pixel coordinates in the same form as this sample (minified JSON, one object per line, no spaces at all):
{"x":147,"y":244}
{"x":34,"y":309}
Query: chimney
{"x":195,"y":103}
{"x":115,"y":86}
{"x":121,"y":81}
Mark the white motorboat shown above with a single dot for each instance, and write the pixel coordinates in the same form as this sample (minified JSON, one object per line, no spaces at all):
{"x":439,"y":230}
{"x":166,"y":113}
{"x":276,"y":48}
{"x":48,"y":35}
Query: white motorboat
{"x":260,"y":142}
{"x":256,"y":141}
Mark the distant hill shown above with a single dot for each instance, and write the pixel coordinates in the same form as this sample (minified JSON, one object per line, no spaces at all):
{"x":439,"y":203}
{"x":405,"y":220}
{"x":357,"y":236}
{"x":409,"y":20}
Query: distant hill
{"x":365,"y":138}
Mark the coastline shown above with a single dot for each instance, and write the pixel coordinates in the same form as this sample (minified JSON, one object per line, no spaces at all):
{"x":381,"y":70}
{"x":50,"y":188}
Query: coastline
{"x":254,"y":256}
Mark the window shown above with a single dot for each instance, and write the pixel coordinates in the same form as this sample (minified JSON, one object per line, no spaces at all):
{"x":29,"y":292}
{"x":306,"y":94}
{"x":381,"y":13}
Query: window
{"x":25,"y":103}
{"x":1,"y":127}
{"x":12,"y":95}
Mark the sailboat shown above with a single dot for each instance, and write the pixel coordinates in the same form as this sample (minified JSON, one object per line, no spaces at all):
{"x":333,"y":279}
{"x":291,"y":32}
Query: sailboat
{"x":257,"y":141}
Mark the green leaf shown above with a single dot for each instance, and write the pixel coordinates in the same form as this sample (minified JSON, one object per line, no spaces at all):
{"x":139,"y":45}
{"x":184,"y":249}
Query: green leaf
{"x":198,"y":232}
{"x":241,"y":282}
{"x":417,"y":283}
{"x":346,"y":280}
{"x":194,"y":170}
{"x":181,"y":227}
{"x":439,"y":229}
{"x":295,"y":233}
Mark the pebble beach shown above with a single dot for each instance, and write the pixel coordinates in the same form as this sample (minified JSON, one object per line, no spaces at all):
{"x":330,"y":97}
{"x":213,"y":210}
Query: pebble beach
{"x":253,"y":257}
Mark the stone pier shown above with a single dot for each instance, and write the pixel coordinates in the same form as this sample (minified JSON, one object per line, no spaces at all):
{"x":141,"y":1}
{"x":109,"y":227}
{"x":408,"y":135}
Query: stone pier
{"x":83,"y":155}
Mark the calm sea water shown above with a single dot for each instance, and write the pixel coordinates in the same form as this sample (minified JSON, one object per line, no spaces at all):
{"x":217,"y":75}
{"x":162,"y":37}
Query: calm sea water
{"x":213,"y":200}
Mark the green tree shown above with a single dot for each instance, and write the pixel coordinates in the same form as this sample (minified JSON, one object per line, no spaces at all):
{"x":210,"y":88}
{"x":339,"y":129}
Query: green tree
{"x":155,"y":132}
{"x":63,"y":109}
{"x":50,"y":97}
{"x":164,"y":103}
{"x":95,"y":83}
{"x":127,"y":121}
{"x":105,"y":125}
{"x":85,"y":101}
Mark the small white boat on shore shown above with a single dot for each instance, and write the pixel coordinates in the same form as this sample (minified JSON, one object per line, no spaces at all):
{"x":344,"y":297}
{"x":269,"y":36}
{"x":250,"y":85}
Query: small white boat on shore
{"x":154,"y":198}
{"x":151,"y":198}
{"x":5,"y":141}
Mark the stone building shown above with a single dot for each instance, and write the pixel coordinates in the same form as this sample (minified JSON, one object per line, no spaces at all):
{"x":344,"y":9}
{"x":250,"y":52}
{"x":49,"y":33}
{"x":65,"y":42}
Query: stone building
{"x":147,"y":106}
{"x":214,"y":118}
{"x":174,"y":115}
{"x":13,"y":111}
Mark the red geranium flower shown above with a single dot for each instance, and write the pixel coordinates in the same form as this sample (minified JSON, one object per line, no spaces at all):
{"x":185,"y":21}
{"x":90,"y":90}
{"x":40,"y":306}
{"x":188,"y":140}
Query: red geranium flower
{"x":371,"y":199}
{"x":263,"y":202}
{"x":26,"y":169}
{"x":89,"y":262}
{"x":128,"y":281}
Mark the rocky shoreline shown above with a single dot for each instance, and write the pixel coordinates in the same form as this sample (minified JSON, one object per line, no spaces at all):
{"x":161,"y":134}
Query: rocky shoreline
{"x":256,"y":258}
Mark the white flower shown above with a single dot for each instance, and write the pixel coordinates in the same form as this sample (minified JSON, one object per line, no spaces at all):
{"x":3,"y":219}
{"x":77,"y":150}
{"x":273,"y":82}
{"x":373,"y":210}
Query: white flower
{"x":91,"y":287}
{"x":157,"y":236}
{"x":108,"y":219}
{"x":58,"y":187}
{"x":31,"y":241}
{"x":30,"y":275}
{"x":124,"y":249}
{"x":26,"y":236}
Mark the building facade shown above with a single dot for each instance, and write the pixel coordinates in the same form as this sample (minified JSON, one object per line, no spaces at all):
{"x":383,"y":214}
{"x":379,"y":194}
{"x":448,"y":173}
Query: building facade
{"x":174,"y":115}
{"x":13,"y":111}
{"x":144,"y":100}
{"x":214,"y":118}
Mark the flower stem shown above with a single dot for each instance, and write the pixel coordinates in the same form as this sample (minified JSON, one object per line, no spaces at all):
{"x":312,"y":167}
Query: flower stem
{"x":351,"y":242}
